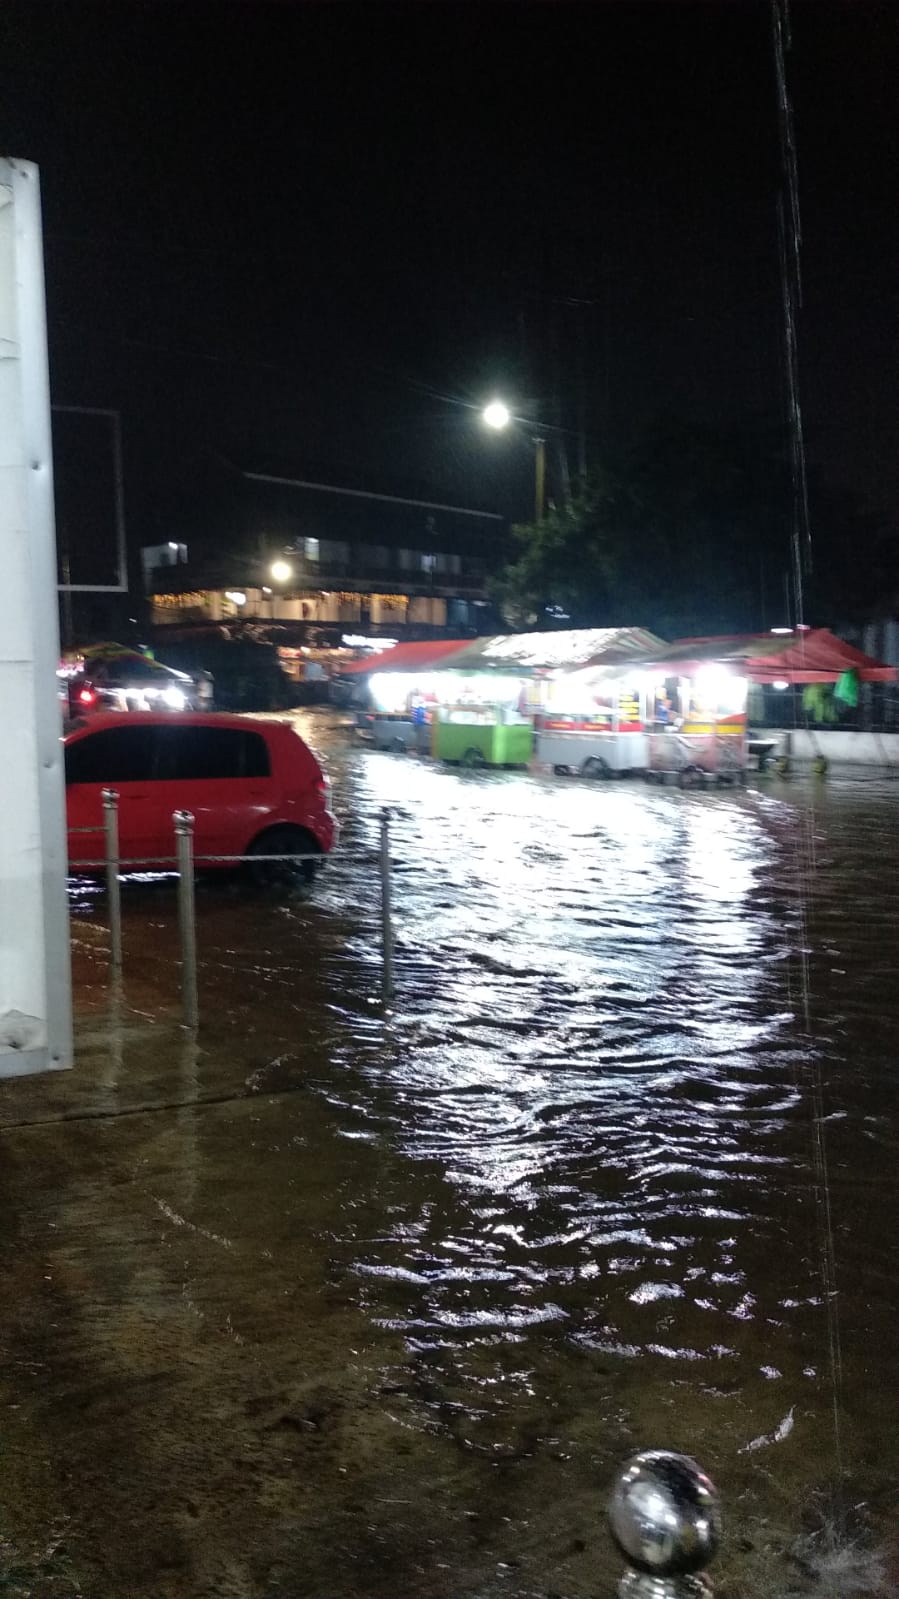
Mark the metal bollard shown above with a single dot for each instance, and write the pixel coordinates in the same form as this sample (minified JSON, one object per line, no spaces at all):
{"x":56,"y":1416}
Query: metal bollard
{"x":665,"y":1517}
{"x":113,"y":886}
{"x":184,"y":848}
{"x":386,"y":918}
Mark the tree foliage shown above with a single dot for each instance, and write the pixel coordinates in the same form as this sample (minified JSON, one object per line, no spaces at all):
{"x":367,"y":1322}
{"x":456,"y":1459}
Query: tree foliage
{"x":687,"y":534}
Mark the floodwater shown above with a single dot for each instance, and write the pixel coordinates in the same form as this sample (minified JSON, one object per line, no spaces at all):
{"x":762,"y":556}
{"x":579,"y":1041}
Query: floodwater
{"x":347,"y":1304}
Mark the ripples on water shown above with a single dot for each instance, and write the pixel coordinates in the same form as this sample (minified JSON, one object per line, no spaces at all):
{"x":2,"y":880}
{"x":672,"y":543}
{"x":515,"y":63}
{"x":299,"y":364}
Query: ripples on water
{"x":604,"y":1224}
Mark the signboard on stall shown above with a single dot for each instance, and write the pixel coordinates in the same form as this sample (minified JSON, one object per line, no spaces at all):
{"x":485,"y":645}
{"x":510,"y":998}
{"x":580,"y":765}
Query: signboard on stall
{"x":35,"y":983}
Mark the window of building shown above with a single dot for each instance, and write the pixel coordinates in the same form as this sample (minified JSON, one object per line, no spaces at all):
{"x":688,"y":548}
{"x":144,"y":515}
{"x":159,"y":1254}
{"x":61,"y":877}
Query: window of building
{"x":335,"y":553}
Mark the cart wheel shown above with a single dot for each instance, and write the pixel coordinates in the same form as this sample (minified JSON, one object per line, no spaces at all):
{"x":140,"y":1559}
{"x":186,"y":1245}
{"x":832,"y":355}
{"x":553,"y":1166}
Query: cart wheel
{"x":561,"y":771}
{"x":398,"y":746}
{"x":686,"y":776}
{"x":594,"y":766}
{"x":473,"y":759}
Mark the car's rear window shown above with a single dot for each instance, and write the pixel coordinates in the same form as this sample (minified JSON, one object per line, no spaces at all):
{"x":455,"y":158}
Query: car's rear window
{"x":167,"y":754}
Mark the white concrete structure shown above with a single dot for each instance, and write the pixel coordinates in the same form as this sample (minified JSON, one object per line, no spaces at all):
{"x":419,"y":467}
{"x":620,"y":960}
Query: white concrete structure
{"x":35,"y":982}
{"x":838,"y":746}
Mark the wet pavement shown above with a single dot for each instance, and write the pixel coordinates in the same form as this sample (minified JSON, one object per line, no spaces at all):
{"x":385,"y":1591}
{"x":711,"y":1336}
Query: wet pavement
{"x":333,"y":1303}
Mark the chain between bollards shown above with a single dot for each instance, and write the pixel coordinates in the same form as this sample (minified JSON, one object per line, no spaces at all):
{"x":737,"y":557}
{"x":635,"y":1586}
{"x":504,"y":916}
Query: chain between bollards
{"x":184,"y":848}
{"x":386,"y":915}
{"x":665,"y":1517}
{"x":113,"y":885}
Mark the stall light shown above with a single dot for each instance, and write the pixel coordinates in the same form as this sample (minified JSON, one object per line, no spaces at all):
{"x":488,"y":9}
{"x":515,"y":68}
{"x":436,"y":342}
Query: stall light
{"x":357,"y":641}
{"x":389,"y":690}
{"x":780,"y":683}
{"x":235,"y":596}
{"x":782,"y":631}
{"x":720,"y":689}
{"x":713,"y":683}
{"x":173,"y":698}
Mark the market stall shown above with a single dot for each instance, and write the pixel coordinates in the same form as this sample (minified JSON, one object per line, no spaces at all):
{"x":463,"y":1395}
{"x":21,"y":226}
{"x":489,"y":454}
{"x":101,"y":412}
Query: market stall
{"x":404,"y":687}
{"x":593,"y":723}
{"x":697,"y":693}
{"x":518,"y":693}
{"x":697,"y":722}
{"x":481,"y":719}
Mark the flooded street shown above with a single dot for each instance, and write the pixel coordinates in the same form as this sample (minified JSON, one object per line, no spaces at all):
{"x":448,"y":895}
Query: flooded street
{"x":338,"y":1304}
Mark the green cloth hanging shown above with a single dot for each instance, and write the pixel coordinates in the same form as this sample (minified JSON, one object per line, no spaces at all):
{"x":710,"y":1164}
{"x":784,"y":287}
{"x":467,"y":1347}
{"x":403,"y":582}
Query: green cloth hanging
{"x":817,"y":702}
{"x":846,"y":688}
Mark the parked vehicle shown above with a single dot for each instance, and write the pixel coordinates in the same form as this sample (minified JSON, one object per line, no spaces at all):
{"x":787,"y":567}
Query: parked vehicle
{"x":253,"y":787}
{"x":127,"y":681}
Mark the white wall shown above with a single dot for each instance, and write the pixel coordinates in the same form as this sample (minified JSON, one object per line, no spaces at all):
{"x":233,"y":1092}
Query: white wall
{"x":35,"y":984}
{"x":855,"y":749}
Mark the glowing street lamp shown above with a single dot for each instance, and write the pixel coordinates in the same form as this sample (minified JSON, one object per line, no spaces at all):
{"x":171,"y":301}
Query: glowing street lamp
{"x":497,"y":415}
{"x":281,"y":571}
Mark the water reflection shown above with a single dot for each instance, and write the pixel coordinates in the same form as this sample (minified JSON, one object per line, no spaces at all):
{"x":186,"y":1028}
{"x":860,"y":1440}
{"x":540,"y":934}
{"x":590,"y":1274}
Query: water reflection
{"x":594,"y":1221}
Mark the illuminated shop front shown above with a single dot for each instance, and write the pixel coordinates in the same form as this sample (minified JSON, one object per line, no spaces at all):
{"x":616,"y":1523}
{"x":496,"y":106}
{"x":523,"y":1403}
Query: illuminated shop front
{"x":475,"y":718}
{"x":593,"y":722}
{"x":698,"y":720}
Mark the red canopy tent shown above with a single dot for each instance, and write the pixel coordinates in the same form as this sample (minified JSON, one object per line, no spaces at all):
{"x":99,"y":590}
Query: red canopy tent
{"x":417,"y":656}
{"x":806,"y":655}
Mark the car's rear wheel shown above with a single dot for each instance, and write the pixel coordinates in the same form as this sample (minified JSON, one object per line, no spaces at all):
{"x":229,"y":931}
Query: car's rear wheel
{"x":288,"y":842}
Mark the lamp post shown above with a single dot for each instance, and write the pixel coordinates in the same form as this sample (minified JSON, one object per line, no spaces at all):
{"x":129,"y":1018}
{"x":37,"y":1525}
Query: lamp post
{"x":497,"y":415}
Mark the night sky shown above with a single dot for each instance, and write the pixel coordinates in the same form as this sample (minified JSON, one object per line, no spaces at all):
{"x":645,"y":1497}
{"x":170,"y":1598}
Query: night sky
{"x":313,"y":238}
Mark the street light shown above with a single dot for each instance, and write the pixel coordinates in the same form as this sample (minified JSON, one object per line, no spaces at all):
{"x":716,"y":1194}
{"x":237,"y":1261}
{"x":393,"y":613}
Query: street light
{"x":497,"y":415}
{"x":281,"y":571}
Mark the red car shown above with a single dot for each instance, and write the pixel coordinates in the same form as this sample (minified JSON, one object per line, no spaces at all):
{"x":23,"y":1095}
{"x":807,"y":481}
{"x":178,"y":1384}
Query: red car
{"x":253,"y":787}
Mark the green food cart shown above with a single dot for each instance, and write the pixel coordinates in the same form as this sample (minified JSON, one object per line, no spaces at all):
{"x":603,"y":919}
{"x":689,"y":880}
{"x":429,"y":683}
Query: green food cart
{"x":481,"y":735}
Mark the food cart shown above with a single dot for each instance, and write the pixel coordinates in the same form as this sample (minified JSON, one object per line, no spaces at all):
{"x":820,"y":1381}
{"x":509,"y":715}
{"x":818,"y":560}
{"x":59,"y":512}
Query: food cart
{"x":481,"y":721}
{"x":476,"y":718}
{"x":593,"y":723}
{"x":696,"y":715}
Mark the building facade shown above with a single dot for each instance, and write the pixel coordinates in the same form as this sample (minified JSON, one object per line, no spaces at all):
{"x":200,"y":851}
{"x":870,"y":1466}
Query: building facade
{"x":320,"y":560}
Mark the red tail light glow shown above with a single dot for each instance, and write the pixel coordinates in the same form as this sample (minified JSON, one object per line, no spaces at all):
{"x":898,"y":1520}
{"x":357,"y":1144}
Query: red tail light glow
{"x":86,"y":696}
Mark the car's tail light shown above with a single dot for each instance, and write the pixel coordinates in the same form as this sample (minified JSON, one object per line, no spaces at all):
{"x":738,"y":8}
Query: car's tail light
{"x":322,"y":787}
{"x":86,"y":696}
